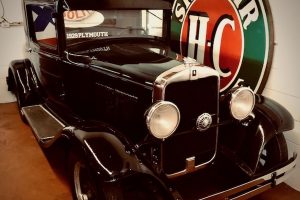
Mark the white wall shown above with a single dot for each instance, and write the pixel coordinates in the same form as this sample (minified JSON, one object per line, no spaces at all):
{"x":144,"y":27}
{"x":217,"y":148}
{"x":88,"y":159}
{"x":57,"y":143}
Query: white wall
{"x":284,"y":81}
{"x":282,"y":85}
{"x":12,"y":42}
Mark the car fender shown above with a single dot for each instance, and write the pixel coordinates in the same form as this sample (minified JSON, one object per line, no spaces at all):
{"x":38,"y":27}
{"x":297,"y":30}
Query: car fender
{"x":107,"y":152}
{"x":251,"y":135}
{"x":278,"y":118}
{"x":23,"y":81}
{"x":270,"y":118}
{"x":114,"y":161}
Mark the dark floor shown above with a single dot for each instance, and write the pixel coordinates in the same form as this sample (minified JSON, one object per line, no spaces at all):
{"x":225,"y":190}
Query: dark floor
{"x":26,"y":173}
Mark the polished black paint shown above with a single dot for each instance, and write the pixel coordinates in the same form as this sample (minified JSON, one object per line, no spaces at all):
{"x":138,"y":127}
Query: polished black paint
{"x":23,"y":81}
{"x":102,"y":97}
{"x":279,"y":117}
{"x":134,"y":57}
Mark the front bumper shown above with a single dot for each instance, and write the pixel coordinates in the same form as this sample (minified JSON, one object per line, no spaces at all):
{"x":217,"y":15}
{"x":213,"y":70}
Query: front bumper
{"x":242,"y":190}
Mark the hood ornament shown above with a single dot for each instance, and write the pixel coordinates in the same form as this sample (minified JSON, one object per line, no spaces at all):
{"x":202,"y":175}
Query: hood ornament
{"x":203,"y":122}
{"x":190,"y":62}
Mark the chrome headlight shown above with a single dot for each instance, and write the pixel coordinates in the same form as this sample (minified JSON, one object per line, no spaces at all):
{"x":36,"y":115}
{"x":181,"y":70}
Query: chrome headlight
{"x":242,"y":103}
{"x":162,"y":119}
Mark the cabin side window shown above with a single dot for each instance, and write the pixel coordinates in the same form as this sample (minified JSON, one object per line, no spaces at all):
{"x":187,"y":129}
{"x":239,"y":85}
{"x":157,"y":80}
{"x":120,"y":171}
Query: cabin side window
{"x":42,"y":25}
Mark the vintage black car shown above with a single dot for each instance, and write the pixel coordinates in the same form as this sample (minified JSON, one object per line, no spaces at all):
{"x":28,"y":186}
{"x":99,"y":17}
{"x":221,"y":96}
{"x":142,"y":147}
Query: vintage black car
{"x":137,"y":120}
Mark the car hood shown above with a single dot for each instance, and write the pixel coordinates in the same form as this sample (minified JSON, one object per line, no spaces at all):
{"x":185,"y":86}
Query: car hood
{"x":137,"y":60}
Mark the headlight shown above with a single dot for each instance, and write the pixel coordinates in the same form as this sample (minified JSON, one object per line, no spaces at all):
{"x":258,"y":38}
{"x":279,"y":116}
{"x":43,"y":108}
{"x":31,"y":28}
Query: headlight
{"x":162,"y":119}
{"x":242,"y":103}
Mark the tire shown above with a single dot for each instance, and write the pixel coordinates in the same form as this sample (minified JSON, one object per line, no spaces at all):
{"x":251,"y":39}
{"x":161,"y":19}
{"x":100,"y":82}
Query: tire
{"x":85,"y":186}
{"x":83,"y":179}
{"x":274,"y":153}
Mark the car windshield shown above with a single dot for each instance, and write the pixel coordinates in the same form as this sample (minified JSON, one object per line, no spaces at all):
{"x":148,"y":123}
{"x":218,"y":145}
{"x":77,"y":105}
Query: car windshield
{"x":81,"y":25}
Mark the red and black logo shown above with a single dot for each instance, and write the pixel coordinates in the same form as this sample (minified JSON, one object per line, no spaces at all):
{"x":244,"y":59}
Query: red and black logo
{"x":232,"y":36}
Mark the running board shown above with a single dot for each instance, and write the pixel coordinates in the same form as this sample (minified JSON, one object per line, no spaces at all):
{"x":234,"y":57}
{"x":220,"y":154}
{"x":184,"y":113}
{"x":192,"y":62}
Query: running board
{"x":44,"y":125}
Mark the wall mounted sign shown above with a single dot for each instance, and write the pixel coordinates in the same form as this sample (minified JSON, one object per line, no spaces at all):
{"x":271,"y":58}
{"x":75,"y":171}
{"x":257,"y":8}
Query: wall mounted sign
{"x":82,"y":18}
{"x":77,"y":15}
{"x":235,"y":37}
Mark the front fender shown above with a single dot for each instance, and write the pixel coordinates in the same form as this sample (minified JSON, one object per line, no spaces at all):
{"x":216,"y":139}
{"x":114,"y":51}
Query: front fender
{"x":279,"y":119}
{"x":112,"y":156}
{"x":117,"y":164}
{"x":250,"y":136}
{"x":107,"y":153}
{"x":271,"y":118}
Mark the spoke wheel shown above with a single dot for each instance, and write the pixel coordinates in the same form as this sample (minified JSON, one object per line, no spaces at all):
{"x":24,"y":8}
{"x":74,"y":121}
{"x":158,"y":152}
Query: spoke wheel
{"x":82,"y":184}
{"x":83,"y":180}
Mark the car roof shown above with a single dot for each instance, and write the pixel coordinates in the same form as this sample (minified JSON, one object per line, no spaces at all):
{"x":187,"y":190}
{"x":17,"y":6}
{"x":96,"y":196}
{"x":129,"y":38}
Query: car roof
{"x":107,"y":4}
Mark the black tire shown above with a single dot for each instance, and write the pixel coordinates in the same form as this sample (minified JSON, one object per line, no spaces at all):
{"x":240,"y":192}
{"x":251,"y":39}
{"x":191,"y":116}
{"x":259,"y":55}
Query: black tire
{"x":85,"y":185}
{"x":274,"y":153}
{"x":82,"y":179}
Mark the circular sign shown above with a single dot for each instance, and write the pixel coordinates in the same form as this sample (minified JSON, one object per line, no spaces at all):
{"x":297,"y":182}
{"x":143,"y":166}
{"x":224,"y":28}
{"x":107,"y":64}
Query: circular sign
{"x":82,"y":18}
{"x":232,"y":36}
{"x":77,"y":15}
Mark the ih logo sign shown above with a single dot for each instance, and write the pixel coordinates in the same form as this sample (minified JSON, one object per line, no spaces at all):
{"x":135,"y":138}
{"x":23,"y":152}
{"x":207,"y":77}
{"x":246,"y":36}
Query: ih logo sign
{"x":232,"y":36}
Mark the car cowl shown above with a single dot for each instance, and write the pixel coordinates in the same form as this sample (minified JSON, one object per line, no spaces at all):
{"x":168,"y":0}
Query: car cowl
{"x":142,"y":60}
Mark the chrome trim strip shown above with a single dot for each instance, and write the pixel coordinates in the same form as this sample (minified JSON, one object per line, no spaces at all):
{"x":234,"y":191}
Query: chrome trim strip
{"x":97,"y":159}
{"x":117,"y":91}
{"x":179,"y":73}
{"x":68,"y":54}
{"x":105,"y":69}
{"x":248,"y":194}
{"x":275,"y":177}
{"x":22,"y":84}
{"x":27,"y":79}
{"x":188,"y":169}
{"x":34,"y":78}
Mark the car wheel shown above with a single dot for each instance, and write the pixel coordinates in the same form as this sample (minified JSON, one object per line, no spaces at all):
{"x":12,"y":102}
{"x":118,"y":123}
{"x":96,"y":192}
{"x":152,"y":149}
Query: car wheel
{"x":275,"y":152}
{"x":83,"y":181}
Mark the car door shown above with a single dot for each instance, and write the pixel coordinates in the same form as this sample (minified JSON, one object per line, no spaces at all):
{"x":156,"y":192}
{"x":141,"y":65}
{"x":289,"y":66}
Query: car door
{"x":42,"y":48}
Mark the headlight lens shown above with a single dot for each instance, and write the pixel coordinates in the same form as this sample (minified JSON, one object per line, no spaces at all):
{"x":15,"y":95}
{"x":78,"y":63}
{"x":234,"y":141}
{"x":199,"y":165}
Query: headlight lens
{"x":242,"y":103}
{"x":162,"y":119}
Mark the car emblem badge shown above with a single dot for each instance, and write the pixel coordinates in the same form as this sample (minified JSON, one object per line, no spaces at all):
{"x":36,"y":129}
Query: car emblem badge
{"x":203,"y":122}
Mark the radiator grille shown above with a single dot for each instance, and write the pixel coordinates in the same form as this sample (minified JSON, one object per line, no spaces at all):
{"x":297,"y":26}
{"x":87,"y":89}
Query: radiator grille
{"x":192,"y":98}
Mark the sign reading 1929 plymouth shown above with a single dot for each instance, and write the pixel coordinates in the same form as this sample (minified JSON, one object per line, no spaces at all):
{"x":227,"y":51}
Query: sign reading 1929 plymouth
{"x":232,"y":36}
